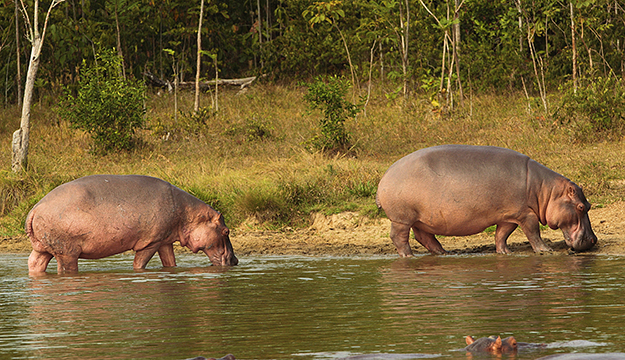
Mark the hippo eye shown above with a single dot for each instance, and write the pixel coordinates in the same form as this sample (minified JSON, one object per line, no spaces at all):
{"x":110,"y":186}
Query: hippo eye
{"x":581,"y":207}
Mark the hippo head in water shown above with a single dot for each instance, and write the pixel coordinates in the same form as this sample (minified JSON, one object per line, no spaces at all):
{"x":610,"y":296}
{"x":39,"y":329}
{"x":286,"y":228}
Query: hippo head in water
{"x":209,"y":234}
{"x":491,"y":344}
{"x":569,"y":212}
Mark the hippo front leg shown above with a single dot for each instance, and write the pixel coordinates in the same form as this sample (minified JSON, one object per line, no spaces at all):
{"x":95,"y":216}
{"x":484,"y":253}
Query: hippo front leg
{"x":400,"y":234}
{"x":531,"y":228}
{"x":166,"y":253}
{"x":143,"y":256}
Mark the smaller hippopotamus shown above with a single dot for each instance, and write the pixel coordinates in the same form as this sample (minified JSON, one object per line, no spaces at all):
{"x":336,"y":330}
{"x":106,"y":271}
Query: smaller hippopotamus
{"x":491,"y":344}
{"x":102,"y":215}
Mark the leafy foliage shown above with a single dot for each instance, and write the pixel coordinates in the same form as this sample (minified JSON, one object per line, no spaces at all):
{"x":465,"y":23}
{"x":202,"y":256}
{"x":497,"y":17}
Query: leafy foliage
{"x":329,"y":97}
{"x":595,"y":110}
{"x":106,"y":106}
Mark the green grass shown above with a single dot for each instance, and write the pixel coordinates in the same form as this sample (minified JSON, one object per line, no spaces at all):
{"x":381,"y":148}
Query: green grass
{"x":250,"y":159}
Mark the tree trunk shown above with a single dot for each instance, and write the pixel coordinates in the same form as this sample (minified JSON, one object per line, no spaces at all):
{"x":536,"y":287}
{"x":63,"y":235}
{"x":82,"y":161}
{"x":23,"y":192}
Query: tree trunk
{"x":119,"y":44}
{"x":21,"y":136}
{"x":405,"y":27}
{"x":20,"y":141}
{"x":456,"y":28}
{"x":196,"y":104}
{"x":574,"y":50}
{"x":17,"y":51}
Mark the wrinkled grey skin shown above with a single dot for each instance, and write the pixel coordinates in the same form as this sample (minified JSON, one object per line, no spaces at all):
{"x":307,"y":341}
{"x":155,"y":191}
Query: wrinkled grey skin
{"x":458,"y":190}
{"x":103,"y":215}
{"x":581,"y":356}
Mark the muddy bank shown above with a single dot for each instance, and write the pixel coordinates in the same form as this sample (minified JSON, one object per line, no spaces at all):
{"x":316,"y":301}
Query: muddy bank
{"x":349,"y":234}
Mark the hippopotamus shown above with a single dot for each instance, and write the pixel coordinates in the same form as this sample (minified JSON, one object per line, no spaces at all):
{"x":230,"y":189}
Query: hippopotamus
{"x":491,"y":344}
{"x":102,"y":215}
{"x":458,"y":190}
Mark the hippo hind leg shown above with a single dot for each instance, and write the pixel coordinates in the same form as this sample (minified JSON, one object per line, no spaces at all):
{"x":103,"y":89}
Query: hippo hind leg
{"x":429,"y":241}
{"x":38,"y":262}
{"x":66,"y":263}
{"x":400,"y":234}
{"x":501,"y":237}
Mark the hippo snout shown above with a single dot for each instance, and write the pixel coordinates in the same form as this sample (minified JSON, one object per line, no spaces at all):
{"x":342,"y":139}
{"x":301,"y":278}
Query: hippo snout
{"x":231,"y":261}
{"x":585,"y":244}
{"x":586,"y":241}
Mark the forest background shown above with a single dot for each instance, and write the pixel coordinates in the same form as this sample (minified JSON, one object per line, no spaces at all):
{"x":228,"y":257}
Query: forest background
{"x":542,"y":77}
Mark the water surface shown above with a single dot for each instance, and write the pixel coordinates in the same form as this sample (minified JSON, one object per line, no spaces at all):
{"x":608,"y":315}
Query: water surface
{"x":286,"y":307}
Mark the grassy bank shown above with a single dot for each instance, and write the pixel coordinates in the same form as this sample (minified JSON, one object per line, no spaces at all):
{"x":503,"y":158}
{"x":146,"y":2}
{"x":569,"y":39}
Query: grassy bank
{"x":249,"y":160}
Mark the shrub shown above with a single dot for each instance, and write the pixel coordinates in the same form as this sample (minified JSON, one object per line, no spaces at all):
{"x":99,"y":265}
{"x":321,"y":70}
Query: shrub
{"x":107,"y":106}
{"x":329,"y":97}
{"x":595,"y":111}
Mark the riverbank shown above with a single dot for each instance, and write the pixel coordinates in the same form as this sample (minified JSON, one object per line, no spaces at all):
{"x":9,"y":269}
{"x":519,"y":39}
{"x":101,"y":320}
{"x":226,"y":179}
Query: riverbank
{"x":349,"y":234}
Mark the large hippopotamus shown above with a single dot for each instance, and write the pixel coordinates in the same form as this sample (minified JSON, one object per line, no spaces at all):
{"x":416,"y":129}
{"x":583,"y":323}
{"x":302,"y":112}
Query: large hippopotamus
{"x":458,"y":190}
{"x":102,"y":215}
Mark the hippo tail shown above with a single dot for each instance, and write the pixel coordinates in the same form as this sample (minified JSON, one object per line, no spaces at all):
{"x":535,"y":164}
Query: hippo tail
{"x":377,"y":201}
{"x":28,"y":226}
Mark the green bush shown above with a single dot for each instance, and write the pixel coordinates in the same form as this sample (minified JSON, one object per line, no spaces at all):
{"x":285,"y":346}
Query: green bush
{"x":329,"y":97}
{"x":107,"y":106}
{"x":595,"y":111}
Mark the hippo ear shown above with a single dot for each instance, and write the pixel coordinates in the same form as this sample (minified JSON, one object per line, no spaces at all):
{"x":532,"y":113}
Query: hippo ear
{"x":572,"y":192}
{"x":497,"y":344}
{"x":217,"y":219}
{"x":469,"y":339}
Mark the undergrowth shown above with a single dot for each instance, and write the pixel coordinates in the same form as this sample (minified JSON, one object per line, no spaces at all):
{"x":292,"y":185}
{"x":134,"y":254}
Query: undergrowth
{"x":250,"y":158}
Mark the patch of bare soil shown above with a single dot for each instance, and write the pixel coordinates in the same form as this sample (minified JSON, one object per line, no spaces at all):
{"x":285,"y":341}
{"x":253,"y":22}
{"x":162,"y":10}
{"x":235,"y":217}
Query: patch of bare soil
{"x":350,"y":234}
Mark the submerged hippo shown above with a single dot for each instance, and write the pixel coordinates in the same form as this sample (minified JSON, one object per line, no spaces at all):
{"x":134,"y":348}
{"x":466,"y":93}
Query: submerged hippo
{"x":103,"y":215}
{"x":491,"y":344}
{"x":458,"y":190}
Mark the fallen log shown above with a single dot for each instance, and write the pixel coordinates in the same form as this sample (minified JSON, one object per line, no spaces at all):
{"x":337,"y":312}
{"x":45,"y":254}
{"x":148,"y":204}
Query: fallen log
{"x":166,"y":84}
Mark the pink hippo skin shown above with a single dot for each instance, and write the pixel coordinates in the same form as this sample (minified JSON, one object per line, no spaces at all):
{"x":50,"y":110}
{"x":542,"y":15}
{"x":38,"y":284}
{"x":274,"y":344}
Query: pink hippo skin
{"x":458,"y":190}
{"x":103,"y":215}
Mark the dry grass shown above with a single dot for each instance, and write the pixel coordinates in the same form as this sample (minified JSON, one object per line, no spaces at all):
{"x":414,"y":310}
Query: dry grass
{"x":249,"y":158}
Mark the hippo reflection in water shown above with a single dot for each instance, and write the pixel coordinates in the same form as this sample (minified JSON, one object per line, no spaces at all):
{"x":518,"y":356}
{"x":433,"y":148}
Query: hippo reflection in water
{"x":458,"y":190}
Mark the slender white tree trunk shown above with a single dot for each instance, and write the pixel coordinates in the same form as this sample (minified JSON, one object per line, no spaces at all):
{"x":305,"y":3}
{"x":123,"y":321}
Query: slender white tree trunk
{"x":574,"y":50}
{"x":196,"y":105}
{"x":21,"y":136}
{"x":17,"y":52}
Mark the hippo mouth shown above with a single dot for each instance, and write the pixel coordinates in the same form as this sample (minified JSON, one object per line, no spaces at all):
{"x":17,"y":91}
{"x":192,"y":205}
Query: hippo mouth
{"x":224,"y":259}
{"x":581,"y":244}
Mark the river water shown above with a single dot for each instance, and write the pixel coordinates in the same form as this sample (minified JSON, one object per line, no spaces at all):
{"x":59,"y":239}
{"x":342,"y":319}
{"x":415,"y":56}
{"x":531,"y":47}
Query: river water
{"x":303,"y":308}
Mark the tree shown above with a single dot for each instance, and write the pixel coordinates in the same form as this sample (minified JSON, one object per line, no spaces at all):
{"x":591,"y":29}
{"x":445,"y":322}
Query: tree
{"x":36,"y":38}
{"x":331,"y":12}
{"x":196,"y":105}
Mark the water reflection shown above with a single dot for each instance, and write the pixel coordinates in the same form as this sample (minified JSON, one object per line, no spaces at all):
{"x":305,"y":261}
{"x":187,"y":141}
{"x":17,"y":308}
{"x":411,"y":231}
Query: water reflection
{"x":312,"y":308}
{"x":124,"y":314}
{"x":530,"y":297}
